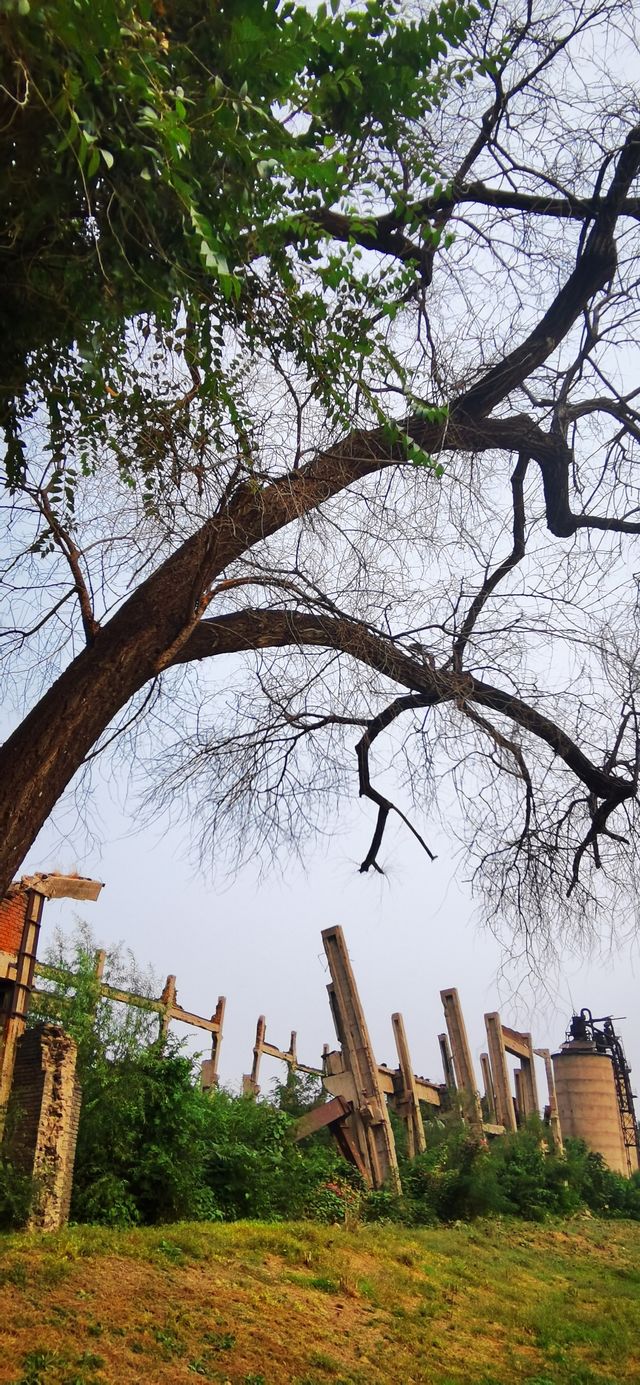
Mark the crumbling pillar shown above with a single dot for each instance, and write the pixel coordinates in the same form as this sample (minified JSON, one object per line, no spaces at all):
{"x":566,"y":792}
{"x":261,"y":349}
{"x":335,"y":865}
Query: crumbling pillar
{"x":44,"y":1113}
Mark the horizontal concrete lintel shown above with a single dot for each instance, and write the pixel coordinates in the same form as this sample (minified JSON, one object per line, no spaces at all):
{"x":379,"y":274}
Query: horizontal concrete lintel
{"x":515,"y":1043}
{"x":55,"y":886}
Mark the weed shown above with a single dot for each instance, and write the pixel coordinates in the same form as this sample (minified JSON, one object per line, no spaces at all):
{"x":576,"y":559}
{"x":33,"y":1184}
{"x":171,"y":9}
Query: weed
{"x":219,"y":1341}
{"x":35,"y":1366}
{"x":171,"y":1251}
{"x":325,"y":1283}
{"x":200,"y":1366}
{"x":322,"y":1362}
{"x":171,"y":1343}
{"x":15,"y":1274}
{"x":58,"y":1368}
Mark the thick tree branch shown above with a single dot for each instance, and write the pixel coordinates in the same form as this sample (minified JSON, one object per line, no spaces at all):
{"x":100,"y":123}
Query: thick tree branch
{"x":261,"y":629}
{"x":595,"y":268}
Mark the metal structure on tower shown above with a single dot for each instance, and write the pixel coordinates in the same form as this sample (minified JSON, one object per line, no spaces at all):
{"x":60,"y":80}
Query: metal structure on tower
{"x":601,"y":1032}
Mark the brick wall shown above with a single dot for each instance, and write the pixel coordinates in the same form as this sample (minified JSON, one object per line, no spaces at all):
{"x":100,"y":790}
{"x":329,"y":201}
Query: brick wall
{"x":45,"y":1111}
{"x":12,"y":915}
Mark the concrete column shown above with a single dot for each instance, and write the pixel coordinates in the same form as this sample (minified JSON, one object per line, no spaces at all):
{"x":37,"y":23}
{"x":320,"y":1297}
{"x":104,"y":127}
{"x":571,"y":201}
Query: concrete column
{"x":488,"y":1087}
{"x":528,"y":1084}
{"x":500,"y":1072}
{"x":517,"y":1080}
{"x":209,"y":1066}
{"x":410,"y":1105}
{"x":168,"y":999}
{"x":461,"y":1053}
{"x":353,"y":1033}
{"x":250,"y":1084}
{"x":447,"y":1062}
{"x":554,"y":1119}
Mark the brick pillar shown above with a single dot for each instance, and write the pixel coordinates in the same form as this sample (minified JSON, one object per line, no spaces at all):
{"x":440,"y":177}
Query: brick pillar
{"x":45,"y":1102}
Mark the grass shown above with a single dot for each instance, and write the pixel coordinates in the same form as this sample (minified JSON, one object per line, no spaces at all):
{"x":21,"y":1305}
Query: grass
{"x":494,"y":1303}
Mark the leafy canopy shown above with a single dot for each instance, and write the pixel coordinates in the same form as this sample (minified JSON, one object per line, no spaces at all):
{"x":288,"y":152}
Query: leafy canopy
{"x":164,"y":169}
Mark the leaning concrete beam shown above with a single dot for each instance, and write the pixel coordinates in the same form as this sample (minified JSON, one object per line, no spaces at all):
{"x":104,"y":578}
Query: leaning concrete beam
{"x":374,"y":1127}
{"x":500,"y":1072}
{"x":461,"y":1054}
{"x":447,"y":1062}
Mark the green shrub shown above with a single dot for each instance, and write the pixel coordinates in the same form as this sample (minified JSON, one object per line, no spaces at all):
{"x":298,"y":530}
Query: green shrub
{"x":17,"y":1192}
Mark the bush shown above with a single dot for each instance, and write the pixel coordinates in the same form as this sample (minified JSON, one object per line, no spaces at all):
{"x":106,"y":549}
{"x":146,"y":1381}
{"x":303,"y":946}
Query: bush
{"x":458,"y":1178}
{"x":17,"y":1192}
{"x":254,"y":1168}
{"x":152,"y":1147}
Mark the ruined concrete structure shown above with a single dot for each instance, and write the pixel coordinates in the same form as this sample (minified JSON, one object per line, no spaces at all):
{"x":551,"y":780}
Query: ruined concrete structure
{"x":587,"y":1101}
{"x":588,"y":1087}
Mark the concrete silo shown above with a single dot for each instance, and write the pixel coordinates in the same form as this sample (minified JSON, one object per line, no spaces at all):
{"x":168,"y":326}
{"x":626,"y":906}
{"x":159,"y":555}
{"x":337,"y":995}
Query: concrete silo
{"x":595,"y":1102}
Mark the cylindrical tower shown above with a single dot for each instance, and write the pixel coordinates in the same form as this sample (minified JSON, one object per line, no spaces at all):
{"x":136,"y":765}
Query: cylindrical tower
{"x":588,"y":1101}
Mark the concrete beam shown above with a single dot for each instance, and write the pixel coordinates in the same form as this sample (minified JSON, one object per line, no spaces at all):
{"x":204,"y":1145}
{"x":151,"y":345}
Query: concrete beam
{"x":489,"y":1094}
{"x":374,"y":1133}
{"x":461,"y":1054}
{"x":410,"y":1103}
{"x":500,"y":1072}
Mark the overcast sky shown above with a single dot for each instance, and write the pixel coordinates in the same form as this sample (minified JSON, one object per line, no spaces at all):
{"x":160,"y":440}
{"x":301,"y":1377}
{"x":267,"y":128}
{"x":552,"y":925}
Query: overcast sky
{"x":258,"y":942}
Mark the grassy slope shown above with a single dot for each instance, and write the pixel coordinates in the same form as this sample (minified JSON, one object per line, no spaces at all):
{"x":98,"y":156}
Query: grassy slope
{"x":254,"y":1304}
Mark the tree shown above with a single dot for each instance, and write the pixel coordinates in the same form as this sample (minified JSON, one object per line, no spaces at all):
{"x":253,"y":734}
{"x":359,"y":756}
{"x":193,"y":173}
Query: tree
{"x":419,"y":567}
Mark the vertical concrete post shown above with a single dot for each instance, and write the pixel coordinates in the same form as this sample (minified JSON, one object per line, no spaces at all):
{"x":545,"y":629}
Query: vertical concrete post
{"x":489,"y":1094}
{"x":409,"y":1103}
{"x":461,"y":1053}
{"x":520,"y":1110}
{"x":500,"y":1072}
{"x":554,"y":1118}
{"x":168,"y":999}
{"x":250,"y":1084}
{"x":22,"y":988}
{"x":447,"y":1062}
{"x":209,"y":1067}
{"x":528,"y":1084}
{"x":353,"y":1034}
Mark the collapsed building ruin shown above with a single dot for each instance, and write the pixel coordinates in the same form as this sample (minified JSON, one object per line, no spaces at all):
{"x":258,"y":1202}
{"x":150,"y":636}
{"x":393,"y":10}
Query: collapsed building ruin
{"x":588,"y":1081}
